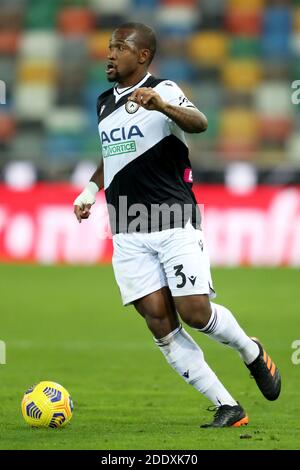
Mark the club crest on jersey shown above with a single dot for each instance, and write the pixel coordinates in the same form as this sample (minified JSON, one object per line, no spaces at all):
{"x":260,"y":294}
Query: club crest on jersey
{"x":131,"y":107}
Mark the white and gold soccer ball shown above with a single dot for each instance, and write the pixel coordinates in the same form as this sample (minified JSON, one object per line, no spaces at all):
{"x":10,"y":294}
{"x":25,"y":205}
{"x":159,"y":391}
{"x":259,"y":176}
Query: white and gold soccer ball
{"x":47,"y":405}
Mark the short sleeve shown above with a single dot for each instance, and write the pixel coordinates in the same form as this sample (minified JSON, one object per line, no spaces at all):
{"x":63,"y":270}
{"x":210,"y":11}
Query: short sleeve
{"x":172,"y":94}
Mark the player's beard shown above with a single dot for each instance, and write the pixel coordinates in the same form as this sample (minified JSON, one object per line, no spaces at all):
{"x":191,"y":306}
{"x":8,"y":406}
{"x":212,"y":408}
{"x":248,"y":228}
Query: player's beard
{"x":115,"y":78}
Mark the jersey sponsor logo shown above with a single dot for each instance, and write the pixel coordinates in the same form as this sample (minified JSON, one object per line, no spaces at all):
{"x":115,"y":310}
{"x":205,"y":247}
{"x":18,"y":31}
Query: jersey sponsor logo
{"x":117,"y":149}
{"x":131,"y":107}
{"x":120,"y":133}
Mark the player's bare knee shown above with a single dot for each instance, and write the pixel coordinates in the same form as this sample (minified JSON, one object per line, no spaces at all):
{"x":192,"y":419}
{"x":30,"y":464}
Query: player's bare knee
{"x":196,"y":311}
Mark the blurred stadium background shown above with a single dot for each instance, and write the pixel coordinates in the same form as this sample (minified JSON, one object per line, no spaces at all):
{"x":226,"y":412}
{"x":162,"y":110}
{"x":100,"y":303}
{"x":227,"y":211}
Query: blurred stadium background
{"x":236,"y":60}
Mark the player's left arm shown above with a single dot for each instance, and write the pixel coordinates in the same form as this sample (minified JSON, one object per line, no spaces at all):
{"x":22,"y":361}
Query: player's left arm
{"x":189,"y":119}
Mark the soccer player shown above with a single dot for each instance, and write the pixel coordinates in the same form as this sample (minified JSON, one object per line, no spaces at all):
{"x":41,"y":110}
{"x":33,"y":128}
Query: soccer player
{"x":160,"y":257}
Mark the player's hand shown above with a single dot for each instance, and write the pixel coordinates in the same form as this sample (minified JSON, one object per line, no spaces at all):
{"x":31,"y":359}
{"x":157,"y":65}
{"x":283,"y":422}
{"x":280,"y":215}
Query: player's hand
{"x":148,"y":99}
{"x":84,"y":202}
{"x":82,"y":212}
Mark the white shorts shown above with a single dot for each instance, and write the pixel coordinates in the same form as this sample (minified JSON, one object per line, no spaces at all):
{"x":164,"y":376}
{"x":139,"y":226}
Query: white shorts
{"x":146,"y":262}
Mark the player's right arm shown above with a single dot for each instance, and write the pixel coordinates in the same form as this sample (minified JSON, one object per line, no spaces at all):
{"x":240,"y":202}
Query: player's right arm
{"x":87,"y":198}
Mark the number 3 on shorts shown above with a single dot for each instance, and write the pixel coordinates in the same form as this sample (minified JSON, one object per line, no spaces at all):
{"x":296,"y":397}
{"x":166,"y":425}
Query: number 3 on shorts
{"x":178,"y":272}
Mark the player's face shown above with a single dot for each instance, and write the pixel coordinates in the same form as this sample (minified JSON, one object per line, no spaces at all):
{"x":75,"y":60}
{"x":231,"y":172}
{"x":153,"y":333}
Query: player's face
{"x":123,"y":55}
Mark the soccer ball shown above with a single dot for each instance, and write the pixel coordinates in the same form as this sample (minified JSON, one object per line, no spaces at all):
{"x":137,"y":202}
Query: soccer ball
{"x":47,"y":405}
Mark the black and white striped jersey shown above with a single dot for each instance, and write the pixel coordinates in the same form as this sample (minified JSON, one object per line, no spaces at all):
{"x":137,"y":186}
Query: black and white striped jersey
{"x":145,"y":160}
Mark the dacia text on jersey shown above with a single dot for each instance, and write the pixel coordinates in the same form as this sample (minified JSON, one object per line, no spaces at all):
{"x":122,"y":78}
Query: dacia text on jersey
{"x":117,"y":141}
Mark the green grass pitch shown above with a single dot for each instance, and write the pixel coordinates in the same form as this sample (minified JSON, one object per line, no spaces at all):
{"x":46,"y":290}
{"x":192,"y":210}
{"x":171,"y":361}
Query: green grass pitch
{"x":67,"y":324}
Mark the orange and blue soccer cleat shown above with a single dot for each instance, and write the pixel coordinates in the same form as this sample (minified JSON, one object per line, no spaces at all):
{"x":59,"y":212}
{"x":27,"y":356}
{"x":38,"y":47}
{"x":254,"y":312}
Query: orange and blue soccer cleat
{"x":265,"y":373}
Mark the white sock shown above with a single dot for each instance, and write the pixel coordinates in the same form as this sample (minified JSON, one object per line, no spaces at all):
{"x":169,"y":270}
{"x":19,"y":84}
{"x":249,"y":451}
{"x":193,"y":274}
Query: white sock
{"x":185,"y":356}
{"x":224,"y":328}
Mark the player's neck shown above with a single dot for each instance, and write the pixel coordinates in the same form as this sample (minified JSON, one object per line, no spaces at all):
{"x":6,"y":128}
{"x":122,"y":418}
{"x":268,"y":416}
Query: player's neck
{"x":132,"y":80}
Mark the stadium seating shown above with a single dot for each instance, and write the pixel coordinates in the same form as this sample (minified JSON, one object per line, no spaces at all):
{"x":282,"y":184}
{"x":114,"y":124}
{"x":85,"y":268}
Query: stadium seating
{"x":7,"y":127}
{"x":297,"y":20}
{"x":247,"y":22}
{"x":208,"y":48}
{"x":236,"y":60}
{"x":293,"y":148}
{"x":242,"y":74}
{"x":9,"y":42}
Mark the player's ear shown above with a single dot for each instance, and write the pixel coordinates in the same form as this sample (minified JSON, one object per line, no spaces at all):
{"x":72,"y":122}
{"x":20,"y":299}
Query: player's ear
{"x":144,"y":56}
